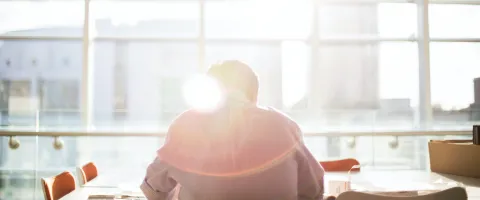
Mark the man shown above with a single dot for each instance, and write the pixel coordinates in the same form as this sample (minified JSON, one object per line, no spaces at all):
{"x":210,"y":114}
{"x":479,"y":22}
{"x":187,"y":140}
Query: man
{"x":238,"y":151}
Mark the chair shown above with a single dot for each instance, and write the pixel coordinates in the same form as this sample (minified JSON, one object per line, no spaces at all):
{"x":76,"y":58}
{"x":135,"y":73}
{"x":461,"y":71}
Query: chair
{"x":343,"y":165}
{"x":456,"y":193}
{"x":58,"y":186}
{"x":87,"y":173}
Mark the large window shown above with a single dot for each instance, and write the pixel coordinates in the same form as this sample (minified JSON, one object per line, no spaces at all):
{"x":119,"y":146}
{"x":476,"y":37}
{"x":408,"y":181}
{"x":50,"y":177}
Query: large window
{"x":331,"y":65}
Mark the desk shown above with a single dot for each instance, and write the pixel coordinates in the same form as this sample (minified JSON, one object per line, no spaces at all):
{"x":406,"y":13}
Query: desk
{"x":116,"y":181}
{"x":371,"y":180}
{"x":82,"y":193}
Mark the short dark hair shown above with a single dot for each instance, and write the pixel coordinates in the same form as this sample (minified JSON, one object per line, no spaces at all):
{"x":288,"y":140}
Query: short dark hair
{"x":236,"y":75}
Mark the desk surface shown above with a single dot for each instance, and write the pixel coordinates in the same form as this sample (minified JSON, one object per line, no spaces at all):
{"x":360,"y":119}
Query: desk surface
{"x":371,"y":180}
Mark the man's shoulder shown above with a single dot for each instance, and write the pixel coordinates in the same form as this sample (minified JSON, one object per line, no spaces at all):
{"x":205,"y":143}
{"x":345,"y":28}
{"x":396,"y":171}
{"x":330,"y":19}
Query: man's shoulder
{"x":274,"y":117}
{"x":278,"y":114}
{"x":187,"y":114}
{"x":187,"y":118}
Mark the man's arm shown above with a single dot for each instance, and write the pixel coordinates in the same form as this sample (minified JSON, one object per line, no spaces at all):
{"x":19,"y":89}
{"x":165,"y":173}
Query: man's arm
{"x":310,"y":175}
{"x":157,"y":184}
{"x":310,"y":183}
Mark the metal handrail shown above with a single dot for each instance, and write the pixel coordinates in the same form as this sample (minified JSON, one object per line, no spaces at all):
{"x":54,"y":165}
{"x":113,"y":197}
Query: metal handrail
{"x":322,"y":39}
{"x":163,"y":133}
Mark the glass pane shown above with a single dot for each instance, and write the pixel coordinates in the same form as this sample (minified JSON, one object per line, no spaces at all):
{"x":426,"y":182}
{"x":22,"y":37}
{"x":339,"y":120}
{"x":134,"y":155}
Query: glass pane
{"x":454,"y":21}
{"x":401,"y":153}
{"x":145,"y":18}
{"x":138,"y":83}
{"x":296,"y":64}
{"x":41,"y":18}
{"x":113,"y":155}
{"x":40,"y":82}
{"x":368,"y":20}
{"x":398,"y":83}
{"x":377,"y":152}
{"x":18,"y":176}
{"x":18,"y":104}
{"x":37,"y":157}
{"x":333,"y":148}
{"x":59,"y":104}
{"x":375,"y":88}
{"x":258,"y":19}
{"x":454,"y":66}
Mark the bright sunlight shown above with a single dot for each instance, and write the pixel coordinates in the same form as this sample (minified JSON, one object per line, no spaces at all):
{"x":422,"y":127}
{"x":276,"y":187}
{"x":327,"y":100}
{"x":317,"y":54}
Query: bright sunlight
{"x":202,"y":93}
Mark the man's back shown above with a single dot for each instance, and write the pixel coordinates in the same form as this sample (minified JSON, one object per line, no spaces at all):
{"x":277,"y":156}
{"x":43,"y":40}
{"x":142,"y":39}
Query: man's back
{"x":260,"y":156}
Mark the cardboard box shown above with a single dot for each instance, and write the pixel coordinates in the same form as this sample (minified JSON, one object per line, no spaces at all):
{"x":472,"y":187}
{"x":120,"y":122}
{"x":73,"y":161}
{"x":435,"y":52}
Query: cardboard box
{"x":456,"y":157}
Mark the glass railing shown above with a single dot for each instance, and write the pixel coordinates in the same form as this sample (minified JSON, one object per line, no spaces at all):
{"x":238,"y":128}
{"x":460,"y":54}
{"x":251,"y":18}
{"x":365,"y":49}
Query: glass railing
{"x":24,"y":160}
{"x":353,"y":120}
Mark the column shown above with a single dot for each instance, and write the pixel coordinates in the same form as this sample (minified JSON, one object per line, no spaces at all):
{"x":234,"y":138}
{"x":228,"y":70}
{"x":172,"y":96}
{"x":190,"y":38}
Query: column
{"x":424,"y":113}
{"x":85,"y":104}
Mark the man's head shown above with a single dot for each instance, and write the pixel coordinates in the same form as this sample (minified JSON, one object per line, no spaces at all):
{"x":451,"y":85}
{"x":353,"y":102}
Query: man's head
{"x":237,"y":76}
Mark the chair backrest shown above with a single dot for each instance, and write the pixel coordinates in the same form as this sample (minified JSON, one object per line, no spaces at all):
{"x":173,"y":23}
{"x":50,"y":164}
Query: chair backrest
{"x":457,"y":193}
{"x":87,"y":173}
{"x":343,"y":165}
{"x":58,"y":186}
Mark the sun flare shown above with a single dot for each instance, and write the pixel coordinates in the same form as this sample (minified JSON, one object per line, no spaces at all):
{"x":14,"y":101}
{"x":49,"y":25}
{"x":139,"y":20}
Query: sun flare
{"x":202,"y":93}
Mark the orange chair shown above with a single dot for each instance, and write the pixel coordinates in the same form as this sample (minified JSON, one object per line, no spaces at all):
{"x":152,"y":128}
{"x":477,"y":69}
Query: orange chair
{"x":87,"y":173}
{"x":58,"y":186}
{"x":343,"y":165}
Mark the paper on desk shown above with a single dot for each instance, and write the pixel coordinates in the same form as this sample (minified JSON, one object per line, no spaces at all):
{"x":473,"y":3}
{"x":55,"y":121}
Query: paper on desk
{"x":101,"y":196}
{"x":116,"y":195}
{"x":119,"y":196}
